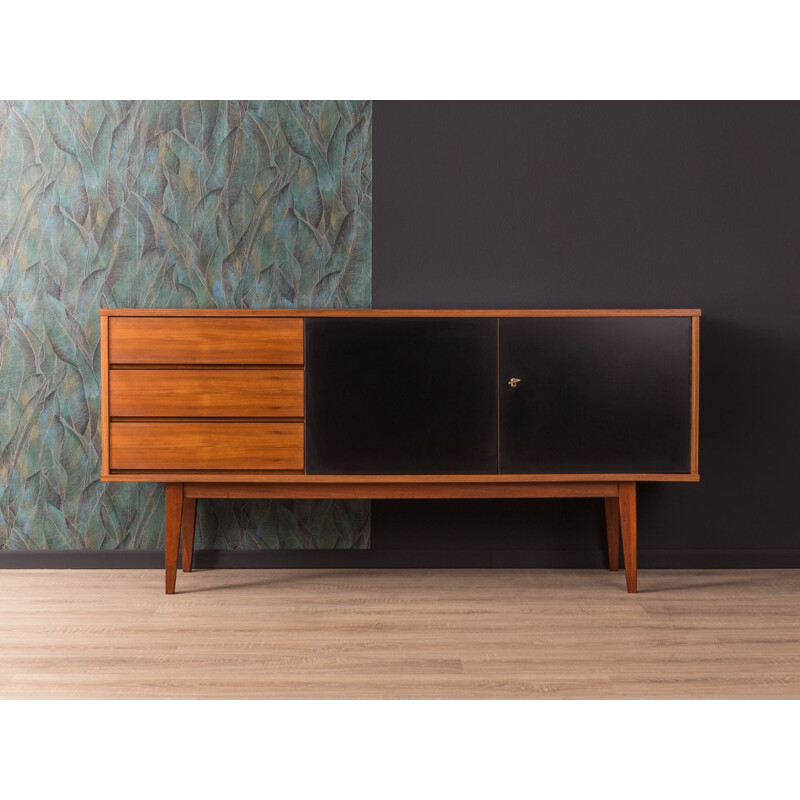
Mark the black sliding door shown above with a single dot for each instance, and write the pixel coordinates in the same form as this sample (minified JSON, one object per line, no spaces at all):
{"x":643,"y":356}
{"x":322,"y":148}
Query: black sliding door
{"x":401,"y":395}
{"x":595,"y":394}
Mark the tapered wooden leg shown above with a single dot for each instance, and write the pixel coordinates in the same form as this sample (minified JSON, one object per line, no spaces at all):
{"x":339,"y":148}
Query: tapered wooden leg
{"x":187,"y":532}
{"x":627,"y":517}
{"x":612,"y":532}
{"x":174,"y":507}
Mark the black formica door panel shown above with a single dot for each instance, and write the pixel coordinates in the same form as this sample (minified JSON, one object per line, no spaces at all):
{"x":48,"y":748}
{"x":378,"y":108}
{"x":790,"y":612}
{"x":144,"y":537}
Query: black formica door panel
{"x":596,"y":394}
{"x":401,"y":395}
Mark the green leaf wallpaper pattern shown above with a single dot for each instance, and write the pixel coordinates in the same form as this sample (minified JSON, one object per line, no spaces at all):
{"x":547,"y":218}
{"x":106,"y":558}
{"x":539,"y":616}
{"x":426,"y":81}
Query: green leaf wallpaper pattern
{"x":161,"y":204}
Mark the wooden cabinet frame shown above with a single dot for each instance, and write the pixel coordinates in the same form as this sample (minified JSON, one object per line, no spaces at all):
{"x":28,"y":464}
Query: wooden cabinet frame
{"x":184,"y":487}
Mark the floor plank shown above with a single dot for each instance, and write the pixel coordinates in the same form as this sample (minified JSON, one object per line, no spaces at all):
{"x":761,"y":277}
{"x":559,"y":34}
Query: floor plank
{"x":399,"y":634}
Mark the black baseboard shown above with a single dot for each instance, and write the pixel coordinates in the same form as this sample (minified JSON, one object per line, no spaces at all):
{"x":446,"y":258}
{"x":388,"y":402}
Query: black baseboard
{"x":398,"y":559}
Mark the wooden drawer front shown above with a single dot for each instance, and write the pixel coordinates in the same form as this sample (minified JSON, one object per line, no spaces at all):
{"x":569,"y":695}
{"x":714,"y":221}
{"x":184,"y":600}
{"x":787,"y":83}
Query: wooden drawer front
{"x":206,"y":446}
{"x":206,"y":393}
{"x":203,"y":340}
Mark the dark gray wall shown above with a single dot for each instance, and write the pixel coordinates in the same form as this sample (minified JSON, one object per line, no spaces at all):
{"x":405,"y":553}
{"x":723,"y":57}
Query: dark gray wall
{"x":640,"y":205}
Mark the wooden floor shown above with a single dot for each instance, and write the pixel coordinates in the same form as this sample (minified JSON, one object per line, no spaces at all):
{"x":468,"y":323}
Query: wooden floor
{"x":399,"y":634}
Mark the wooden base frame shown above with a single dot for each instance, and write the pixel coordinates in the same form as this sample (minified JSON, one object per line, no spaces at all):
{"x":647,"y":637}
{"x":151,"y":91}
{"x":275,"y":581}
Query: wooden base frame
{"x":620,"y":507}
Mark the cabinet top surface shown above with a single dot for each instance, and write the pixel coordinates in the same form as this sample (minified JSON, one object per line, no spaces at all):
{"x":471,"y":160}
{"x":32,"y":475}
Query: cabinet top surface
{"x":400,"y":312}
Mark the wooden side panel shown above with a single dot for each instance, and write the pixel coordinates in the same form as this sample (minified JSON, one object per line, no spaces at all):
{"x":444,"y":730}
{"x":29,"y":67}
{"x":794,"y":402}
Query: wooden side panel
{"x":206,"y":393}
{"x":205,"y":340}
{"x":695,"y":465}
{"x":206,"y":445}
{"x":104,"y":415}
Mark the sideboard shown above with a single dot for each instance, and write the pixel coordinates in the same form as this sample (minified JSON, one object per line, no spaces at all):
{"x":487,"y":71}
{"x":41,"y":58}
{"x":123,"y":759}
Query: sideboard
{"x":310,"y":403}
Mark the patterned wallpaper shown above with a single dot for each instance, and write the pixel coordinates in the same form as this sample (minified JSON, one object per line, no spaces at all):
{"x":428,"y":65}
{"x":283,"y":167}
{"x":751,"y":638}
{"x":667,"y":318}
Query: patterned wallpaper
{"x":168,"y":204}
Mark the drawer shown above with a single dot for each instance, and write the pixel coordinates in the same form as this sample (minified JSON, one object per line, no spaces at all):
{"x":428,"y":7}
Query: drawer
{"x":205,"y":393}
{"x":206,"y":446}
{"x":205,"y":340}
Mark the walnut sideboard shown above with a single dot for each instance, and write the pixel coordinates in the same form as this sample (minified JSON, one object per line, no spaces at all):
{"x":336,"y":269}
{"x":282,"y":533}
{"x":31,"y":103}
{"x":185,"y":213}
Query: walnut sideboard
{"x":311,"y":403}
